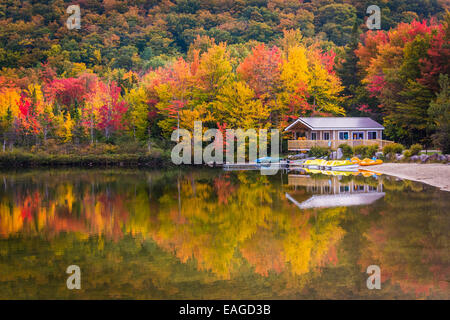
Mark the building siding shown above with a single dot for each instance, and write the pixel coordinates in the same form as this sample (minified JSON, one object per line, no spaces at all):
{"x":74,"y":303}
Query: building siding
{"x":334,"y":134}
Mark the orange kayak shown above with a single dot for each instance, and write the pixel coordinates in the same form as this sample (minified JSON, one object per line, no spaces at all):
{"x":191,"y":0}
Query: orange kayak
{"x":370,"y":162}
{"x":355,"y":160}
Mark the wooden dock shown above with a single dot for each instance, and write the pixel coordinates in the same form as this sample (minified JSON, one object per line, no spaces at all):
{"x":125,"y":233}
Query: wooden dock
{"x":253,"y":166}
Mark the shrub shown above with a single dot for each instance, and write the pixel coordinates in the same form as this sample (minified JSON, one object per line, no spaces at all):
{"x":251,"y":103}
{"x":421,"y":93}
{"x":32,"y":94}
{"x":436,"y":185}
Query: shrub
{"x":20,"y":158}
{"x":319,"y":152}
{"x":415,"y":149}
{"x":360,"y":150}
{"x":393,"y":148}
{"x":371,"y":150}
{"x":397,"y":148}
{"x":407,"y":153}
{"x":346,"y":150}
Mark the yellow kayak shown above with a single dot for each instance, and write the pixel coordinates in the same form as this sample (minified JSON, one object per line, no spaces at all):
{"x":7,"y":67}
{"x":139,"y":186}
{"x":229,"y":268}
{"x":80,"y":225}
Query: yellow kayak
{"x":340,"y":165}
{"x":314,"y":164}
{"x":370,"y":162}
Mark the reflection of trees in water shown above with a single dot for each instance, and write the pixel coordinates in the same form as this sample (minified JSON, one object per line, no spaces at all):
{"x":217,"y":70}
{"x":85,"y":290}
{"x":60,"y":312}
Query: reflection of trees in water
{"x":228,"y":225}
{"x":410,"y":242}
{"x":222,"y":220}
{"x":245,"y":222}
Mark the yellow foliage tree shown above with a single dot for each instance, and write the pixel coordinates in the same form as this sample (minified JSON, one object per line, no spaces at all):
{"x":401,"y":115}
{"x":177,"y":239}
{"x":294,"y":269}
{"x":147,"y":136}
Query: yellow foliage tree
{"x":237,"y":106}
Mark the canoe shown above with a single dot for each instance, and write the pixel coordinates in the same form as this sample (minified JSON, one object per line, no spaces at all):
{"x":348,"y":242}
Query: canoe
{"x":314,"y":164}
{"x":370,"y":162}
{"x":340,"y":165}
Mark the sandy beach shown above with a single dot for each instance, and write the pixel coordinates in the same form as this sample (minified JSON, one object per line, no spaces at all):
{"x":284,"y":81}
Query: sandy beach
{"x":435,"y":174}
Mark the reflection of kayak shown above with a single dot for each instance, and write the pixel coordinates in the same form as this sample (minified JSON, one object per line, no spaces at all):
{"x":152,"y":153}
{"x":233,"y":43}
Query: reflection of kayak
{"x":331,"y":172}
{"x":370,"y":162}
{"x":341,"y":173}
{"x":315,"y":171}
{"x":367,"y":173}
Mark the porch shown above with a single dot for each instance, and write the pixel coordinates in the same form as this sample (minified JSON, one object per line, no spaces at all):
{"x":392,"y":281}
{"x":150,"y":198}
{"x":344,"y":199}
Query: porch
{"x":305,"y":145}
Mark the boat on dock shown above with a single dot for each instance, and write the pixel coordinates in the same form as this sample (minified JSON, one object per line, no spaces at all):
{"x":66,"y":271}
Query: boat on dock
{"x":311,"y":164}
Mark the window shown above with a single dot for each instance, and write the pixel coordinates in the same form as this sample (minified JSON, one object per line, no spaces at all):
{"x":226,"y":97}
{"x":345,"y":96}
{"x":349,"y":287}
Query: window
{"x":358,"y":135}
{"x":343,"y":135}
{"x":371,"y":135}
{"x":326,"y":136}
{"x":313,"y":135}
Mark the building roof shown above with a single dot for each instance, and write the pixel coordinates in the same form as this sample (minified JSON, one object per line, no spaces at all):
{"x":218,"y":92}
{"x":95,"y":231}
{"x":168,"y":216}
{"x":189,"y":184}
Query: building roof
{"x":326,"y":123}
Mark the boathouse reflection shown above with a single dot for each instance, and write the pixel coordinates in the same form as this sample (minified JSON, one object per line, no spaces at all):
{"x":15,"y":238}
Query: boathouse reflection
{"x":335,"y":190}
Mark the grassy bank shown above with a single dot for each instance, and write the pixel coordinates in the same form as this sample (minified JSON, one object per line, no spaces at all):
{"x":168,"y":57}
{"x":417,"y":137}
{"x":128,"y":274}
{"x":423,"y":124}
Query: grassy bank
{"x":23,"y":159}
{"x":84,"y":156}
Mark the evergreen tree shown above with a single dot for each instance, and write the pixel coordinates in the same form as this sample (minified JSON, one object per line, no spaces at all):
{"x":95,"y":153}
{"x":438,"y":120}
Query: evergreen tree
{"x":439,"y":112}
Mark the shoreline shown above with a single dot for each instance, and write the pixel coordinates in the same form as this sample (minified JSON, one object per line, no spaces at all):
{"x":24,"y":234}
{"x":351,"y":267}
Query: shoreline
{"x":36,"y":160}
{"x":434,"y":174}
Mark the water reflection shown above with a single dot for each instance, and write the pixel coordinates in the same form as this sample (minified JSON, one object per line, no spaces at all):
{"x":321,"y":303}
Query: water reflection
{"x":330,"y":190}
{"x":215,"y":234}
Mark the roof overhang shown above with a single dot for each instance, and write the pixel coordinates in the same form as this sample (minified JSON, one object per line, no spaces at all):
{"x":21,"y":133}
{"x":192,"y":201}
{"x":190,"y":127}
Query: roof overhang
{"x":299,"y":121}
{"x":346,"y":129}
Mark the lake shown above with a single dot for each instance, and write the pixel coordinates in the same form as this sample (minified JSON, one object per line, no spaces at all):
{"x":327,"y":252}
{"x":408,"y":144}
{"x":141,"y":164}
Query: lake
{"x":210,"y":234}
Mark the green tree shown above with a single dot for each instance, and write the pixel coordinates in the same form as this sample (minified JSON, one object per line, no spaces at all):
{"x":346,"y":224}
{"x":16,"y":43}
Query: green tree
{"x":439,"y":112}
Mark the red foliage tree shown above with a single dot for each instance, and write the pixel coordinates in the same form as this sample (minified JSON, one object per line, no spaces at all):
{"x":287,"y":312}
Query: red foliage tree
{"x":112,"y":113}
{"x":261,"y":69}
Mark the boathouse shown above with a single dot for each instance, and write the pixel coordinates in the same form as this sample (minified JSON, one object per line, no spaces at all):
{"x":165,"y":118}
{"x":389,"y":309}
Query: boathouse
{"x":333,"y":131}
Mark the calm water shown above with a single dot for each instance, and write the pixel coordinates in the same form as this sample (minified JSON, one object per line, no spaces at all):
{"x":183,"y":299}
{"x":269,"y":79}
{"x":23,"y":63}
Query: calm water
{"x":208,"y":234}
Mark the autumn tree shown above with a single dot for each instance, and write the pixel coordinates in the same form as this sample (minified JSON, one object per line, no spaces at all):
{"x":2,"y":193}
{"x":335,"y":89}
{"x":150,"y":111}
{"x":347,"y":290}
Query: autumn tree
{"x":393,"y":63}
{"x":112,"y":111}
{"x":9,"y":100}
{"x":261,"y":71}
{"x":238,"y":106}
{"x":439,"y":112}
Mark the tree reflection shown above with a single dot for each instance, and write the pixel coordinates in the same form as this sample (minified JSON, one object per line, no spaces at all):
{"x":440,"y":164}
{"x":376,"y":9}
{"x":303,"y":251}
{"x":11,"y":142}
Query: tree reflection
{"x":225,"y":226}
